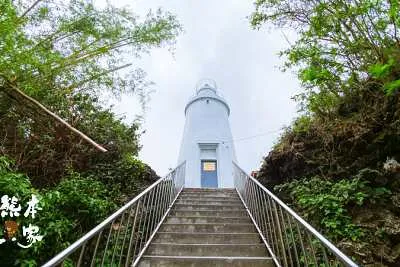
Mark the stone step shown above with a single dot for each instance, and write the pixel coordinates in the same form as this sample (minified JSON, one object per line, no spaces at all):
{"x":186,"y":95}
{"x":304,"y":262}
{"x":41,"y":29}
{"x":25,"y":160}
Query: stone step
{"x":222,"y":250}
{"x":220,"y":194}
{"x":178,"y":206}
{"x":213,"y":190}
{"x":214,"y":212}
{"x":167,"y":261}
{"x":211,"y":197}
{"x":208,"y":202}
{"x":207,"y":219}
{"x":201,"y":198}
{"x":208,"y":228}
{"x":207,"y":238}
{"x":214,"y":198}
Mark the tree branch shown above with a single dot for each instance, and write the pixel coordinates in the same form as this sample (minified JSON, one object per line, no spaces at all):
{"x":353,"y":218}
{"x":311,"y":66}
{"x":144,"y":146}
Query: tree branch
{"x":75,"y":85}
{"x":15,"y":92}
{"x":30,"y":8}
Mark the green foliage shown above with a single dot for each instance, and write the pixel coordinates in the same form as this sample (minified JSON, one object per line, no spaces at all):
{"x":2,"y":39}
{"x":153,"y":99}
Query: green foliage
{"x":13,"y":183}
{"x":69,"y":210}
{"x":77,"y":47}
{"x":340,"y":43}
{"x":103,"y":125}
{"x":44,"y":150}
{"x":326,"y":203}
{"x":66,"y":55}
{"x":74,"y":206}
{"x":302,"y":124}
{"x":124,"y":176}
{"x":346,"y":56}
{"x":381,"y":70}
{"x":392,"y":86}
{"x":83,"y":199}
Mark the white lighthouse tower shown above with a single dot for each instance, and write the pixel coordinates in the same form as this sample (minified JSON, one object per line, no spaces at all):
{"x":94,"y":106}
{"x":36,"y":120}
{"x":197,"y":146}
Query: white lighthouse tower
{"x":207,"y":145}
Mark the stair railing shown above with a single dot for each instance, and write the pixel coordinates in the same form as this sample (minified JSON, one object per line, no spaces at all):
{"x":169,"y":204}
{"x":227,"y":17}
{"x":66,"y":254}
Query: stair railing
{"x":290,"y":240}
{"x":122,"y":238}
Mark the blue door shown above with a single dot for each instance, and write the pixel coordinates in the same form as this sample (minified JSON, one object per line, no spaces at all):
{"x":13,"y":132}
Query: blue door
{"x":209,"y":173}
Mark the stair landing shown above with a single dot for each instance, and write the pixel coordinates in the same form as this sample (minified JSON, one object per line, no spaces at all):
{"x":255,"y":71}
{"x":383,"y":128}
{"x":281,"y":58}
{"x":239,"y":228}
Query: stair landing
{"x":207,"y":227}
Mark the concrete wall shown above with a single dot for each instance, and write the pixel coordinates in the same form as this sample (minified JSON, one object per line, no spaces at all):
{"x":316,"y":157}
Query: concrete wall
{"x":207,"y":122}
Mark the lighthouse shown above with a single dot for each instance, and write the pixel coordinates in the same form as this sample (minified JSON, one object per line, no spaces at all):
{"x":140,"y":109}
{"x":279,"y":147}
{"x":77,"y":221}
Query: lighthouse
{"x":207,"y":145}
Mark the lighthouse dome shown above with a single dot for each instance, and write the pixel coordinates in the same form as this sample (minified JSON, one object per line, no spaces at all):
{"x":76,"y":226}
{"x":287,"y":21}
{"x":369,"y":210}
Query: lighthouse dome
{"x":207,"y":89}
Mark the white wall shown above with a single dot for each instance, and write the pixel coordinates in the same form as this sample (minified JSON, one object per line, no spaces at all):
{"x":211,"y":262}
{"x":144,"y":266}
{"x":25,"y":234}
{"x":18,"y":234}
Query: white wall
{"x":207,"y":122}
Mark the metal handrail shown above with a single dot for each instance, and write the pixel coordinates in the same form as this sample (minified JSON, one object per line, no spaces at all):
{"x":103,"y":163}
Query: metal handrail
{"x":290,"y":240}
{"x":122,"y":238}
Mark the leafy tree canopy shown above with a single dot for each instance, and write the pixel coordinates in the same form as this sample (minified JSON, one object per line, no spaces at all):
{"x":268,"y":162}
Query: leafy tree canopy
{"x":338,"y":162}
{"x":65,"y":54}
{"x":340,"y":44}
{"x":60,"y":48}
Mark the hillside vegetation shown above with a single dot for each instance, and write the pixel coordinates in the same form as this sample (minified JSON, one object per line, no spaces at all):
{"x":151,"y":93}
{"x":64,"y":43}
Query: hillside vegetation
{"x":66,"y":55}
{"x":337,"y":164}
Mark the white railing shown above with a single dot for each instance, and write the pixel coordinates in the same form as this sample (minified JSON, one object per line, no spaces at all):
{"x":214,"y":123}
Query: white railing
{"x":122,"y":238}
{"x":290,"y":240}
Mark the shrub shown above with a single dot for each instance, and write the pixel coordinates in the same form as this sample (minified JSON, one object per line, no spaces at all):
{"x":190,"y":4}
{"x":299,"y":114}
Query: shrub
{"x":69,"y":210}
{"x":326,"y":203}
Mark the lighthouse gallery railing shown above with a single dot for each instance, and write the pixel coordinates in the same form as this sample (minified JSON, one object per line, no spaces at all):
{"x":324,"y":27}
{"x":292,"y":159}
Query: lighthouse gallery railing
{"x":122,"y":238}
{"x":291,"y":241}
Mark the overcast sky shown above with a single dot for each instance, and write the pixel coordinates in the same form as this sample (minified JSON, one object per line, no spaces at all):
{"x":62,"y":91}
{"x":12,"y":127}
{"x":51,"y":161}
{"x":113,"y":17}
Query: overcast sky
{"x":218,"y":43}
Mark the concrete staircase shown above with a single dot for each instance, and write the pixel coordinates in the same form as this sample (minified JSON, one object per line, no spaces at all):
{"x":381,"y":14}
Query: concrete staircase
{"x":207,"y":227}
